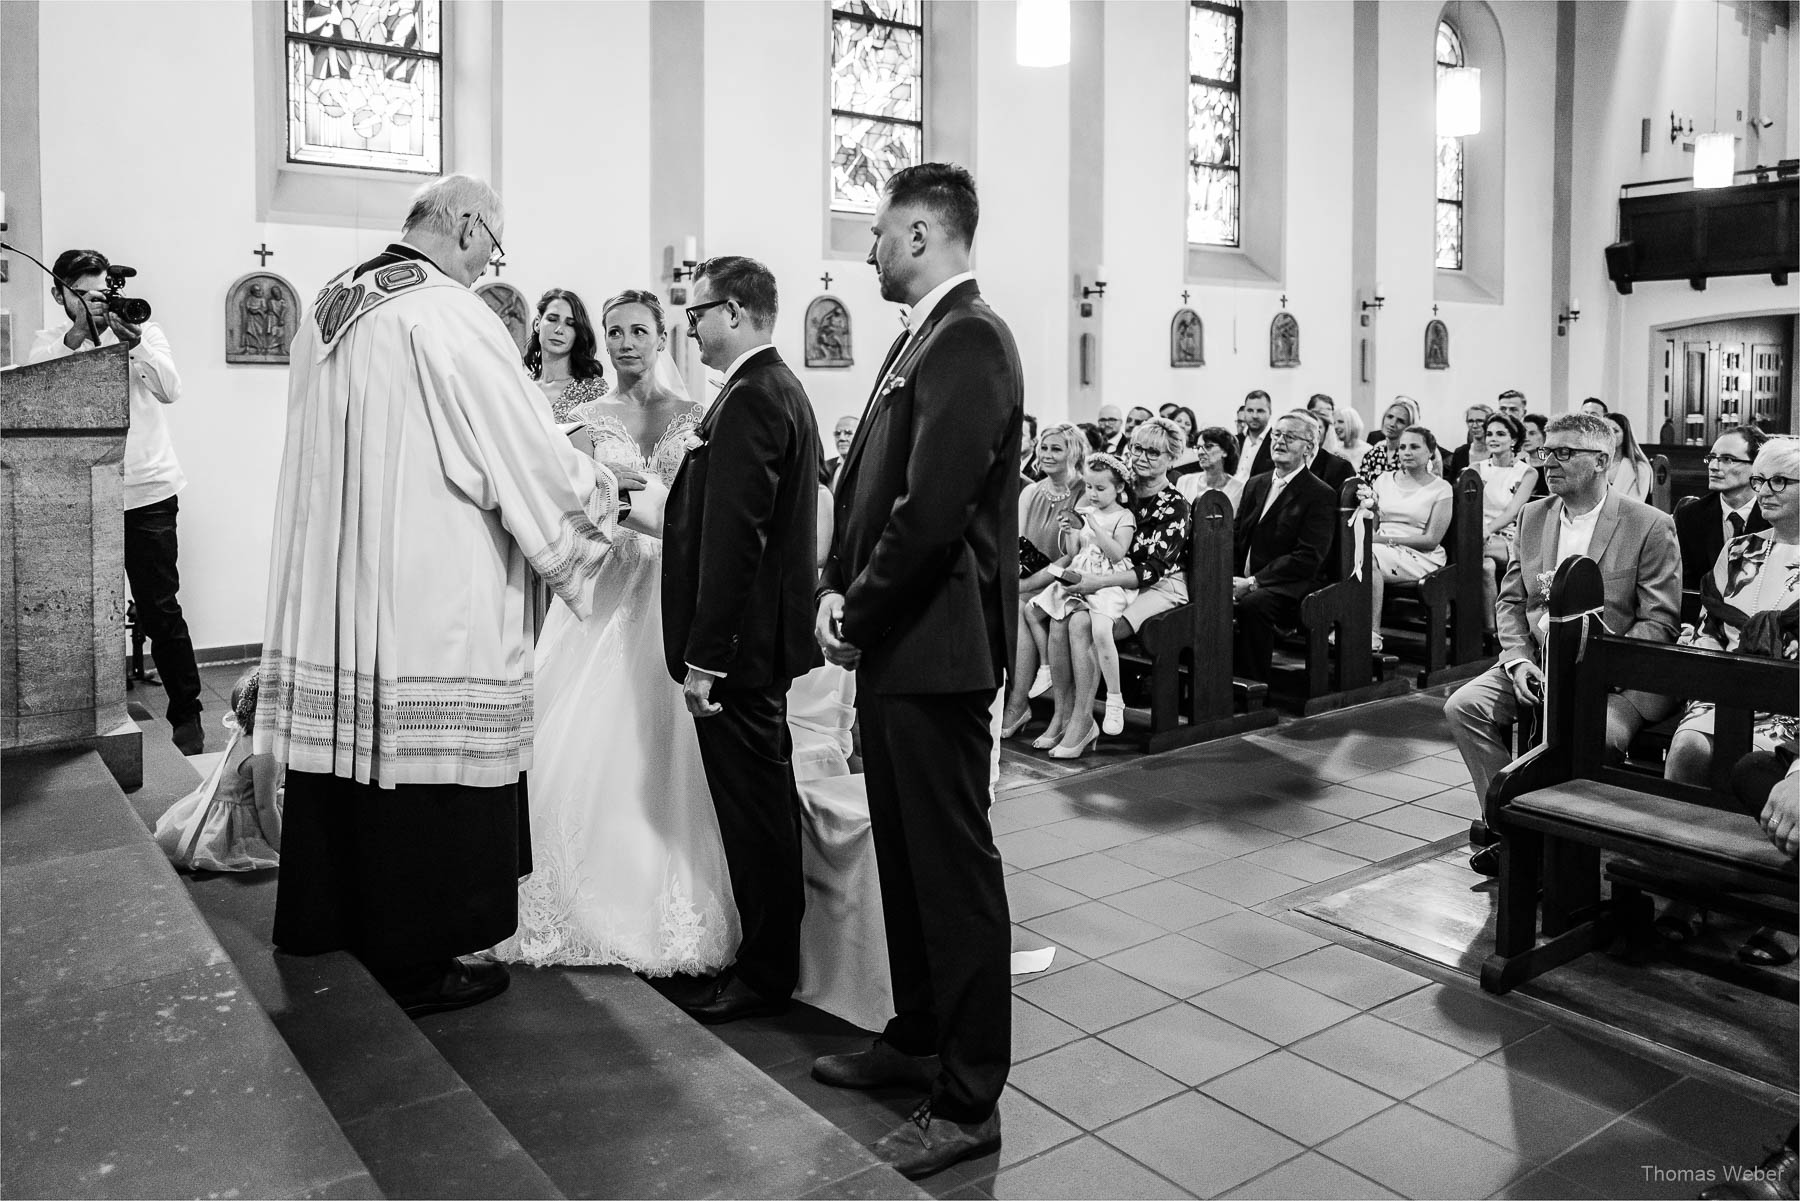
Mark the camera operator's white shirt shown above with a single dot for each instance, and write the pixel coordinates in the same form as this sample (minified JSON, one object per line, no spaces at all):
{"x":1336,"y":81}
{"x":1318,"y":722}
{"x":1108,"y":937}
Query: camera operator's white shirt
{"x":152,"y":472}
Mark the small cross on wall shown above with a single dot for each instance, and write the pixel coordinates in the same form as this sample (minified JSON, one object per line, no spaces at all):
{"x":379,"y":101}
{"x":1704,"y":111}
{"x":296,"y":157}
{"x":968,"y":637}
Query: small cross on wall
{"x":1184,"y":296}
{"x":826,"y":280}
{"x":1284,"y":300}
{"x":263,"y":254}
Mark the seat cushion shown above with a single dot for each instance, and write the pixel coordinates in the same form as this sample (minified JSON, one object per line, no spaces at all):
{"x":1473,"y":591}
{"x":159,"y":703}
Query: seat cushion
{"x":1731,"y":839}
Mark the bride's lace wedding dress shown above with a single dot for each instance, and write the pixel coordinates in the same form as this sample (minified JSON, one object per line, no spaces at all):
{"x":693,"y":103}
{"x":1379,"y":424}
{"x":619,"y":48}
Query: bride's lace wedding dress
{"x":628,"y":867}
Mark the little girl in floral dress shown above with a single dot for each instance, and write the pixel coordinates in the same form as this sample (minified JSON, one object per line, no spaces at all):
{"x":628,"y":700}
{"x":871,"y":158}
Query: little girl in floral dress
{"x":1098,"y":547}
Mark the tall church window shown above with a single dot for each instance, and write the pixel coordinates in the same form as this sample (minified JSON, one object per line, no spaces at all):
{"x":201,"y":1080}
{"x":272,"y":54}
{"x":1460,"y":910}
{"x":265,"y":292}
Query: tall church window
{"x":877,"y":97}
{"x":365,"y":84}
{"x":1215,"y":120}
{"x":1449,"y":163}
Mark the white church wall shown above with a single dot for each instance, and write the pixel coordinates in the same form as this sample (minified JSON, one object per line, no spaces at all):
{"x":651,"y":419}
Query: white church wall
{"x":1648,"y":59}
{"x":1497,"y":344}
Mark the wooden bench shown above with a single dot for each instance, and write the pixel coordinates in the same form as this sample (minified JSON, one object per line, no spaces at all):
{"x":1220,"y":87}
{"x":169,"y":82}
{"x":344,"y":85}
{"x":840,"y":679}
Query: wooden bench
{"x":1451,"y":597}
{"x":1339,"y":665}
{"x":1560,"y":805}
{"x":1187,"y":651}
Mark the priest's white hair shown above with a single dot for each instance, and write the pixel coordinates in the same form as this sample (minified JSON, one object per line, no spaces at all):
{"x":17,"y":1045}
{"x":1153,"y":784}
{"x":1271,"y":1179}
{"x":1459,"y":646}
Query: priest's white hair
{"x":440,"y":204}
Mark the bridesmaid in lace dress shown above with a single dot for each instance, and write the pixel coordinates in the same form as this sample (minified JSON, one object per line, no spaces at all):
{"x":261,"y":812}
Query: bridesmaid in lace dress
{"x":628,"y":866}
{"x":563,"y":354}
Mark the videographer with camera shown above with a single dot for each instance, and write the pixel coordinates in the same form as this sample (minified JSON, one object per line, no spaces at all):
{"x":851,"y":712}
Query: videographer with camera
{"x":88,"y":286}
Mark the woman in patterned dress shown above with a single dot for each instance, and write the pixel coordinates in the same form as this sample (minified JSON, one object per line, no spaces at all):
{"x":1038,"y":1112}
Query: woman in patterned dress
{"x":563,"y":354}
{"x":628,"y":866}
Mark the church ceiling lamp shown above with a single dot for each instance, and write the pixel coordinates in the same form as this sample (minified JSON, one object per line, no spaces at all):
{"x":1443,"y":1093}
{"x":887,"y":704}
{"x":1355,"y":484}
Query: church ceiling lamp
{"x":1715,"y":153}
{"x":1043,"y":33}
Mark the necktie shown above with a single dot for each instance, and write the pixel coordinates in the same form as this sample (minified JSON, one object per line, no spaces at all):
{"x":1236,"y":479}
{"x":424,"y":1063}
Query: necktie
{"x":1737,"y":524}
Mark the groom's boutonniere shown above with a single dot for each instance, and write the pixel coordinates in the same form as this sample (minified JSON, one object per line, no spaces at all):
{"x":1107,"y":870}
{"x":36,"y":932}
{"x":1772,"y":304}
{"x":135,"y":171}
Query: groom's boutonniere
{"x":691,"y":441}
{"x":893,"y":381}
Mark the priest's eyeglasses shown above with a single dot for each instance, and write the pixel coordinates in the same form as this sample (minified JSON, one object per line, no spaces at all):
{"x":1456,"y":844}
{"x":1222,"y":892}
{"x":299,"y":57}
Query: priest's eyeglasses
{"x":1773,"y":484}
{"x":499,"y":255}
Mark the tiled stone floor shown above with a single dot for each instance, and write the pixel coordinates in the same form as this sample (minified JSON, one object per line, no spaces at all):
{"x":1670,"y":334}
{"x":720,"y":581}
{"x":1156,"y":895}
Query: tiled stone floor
{"x":1188,"y":1043}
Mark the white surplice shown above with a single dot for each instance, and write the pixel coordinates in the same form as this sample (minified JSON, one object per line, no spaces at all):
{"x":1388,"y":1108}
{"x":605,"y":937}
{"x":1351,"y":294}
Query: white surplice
{"x":421,"y":474}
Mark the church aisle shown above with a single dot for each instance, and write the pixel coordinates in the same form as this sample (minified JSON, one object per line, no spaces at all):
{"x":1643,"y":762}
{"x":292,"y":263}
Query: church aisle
{"x":1192,"y":1039}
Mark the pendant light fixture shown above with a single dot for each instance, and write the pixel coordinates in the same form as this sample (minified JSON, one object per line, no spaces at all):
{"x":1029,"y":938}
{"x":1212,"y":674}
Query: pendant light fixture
{"x":1715,"y":153}
{"x":1043,"y":33}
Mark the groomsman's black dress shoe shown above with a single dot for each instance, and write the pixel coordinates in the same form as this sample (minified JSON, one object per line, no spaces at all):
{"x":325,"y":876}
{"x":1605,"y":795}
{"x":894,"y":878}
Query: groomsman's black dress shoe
{"x":461,"y":985}
{"x":1486,"y":861}
{"x":881,"y":1066}
{"x":925,"y":1144}
{"x":1776,"y":1178}
{"x":189,"y":736}
{"x":730,"y":1000}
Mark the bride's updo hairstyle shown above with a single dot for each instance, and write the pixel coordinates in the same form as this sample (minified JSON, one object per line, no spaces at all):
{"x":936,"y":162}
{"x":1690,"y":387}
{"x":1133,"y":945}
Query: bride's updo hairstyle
{"x":584,"y":354}
{"x":636,"y":296}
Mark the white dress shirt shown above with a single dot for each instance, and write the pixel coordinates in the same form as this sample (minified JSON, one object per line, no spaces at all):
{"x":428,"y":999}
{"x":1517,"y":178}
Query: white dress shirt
{"x":1575,"y":531}
{"x":152,"y":472}
{"x":1247,"y":454}
{"x":1744,"y":511}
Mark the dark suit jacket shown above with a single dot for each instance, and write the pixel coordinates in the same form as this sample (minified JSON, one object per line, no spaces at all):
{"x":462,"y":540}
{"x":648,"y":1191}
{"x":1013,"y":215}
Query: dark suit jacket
{"x":1264,"y":460}
{"x":1700,"y":529}
{"x":1459,"y":459}
{"x":740,"y":535}
{"x":1288,"y":548}
{"x":926,"y":541}
{"x":1334,"y":470}
{"x":828,"y":470}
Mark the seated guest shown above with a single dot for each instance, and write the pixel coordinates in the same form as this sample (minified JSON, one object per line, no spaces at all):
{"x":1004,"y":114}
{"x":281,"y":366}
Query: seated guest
{"x":1512,"y":403}
{"x":1159,"y":554}
{"x":1752,"y":597}
{"x":1536,"y":425}
{"x":1111,"y":422}
{"x":1028,"y":450}
{"x":1044,"y":506}
{"x":1321,"y":406}
{"x":1412,"y":512}
{"x":1640,"y":565}
{"x":1217,"y":468}
{"x":1095,"y":438}
{"x":1352,"y":446}
{"x":1253,"y":443}
{"x":1167,"y":410}
{"x":1507,"y":482}
{"x":1631,"y":472}
{"x":1135,"y":416}
{"x":1474,"y":449}
{"x":1241,"y":423}
{"x":1728,"y":510}
{"x":842,"y":435}
{"x":1188,"y":460}
{"x":1329,"y":466}
{"x":1593,"y":406}
{"x":1282,"y":539}
{"x":1403,"y":412}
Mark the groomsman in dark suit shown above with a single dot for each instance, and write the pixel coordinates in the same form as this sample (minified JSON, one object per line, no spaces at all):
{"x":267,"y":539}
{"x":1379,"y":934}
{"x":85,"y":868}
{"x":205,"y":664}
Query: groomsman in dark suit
{"x":1284,"y":533}
{"x":1728,"y":510}
{"x":920,"y":595}
{"x":740,"y":539}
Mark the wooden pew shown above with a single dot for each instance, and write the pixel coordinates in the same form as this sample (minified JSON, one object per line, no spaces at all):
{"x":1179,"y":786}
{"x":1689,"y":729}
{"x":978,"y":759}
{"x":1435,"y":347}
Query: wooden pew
{"x":1187,"y":651}
{"x":1340,"y":666}
{"x":1560,"y":805}
{"x":1451,"y":597}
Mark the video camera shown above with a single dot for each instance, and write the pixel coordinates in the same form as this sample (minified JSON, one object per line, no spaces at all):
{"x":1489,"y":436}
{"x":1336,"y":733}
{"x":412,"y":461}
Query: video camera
{"x":130,"y":309}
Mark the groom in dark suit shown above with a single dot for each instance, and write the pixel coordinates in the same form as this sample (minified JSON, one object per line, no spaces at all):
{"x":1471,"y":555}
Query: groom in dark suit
{"x":920,"y":595}
{"x":739,"y":549}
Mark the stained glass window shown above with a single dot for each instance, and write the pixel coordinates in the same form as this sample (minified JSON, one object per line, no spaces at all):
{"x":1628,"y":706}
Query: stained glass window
{"x":1215,"y":120}
{"x":365,"y":84}
{"x":877,"y":97}
{"x":1449,"y":164}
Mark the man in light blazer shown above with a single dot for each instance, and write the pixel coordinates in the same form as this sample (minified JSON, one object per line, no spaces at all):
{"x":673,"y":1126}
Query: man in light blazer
{"x":920,"y":595}
{"x":1640,"y":566}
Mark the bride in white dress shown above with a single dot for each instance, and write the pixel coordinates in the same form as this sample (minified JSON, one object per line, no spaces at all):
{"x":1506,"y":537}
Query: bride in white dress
{"x":628,"y":866}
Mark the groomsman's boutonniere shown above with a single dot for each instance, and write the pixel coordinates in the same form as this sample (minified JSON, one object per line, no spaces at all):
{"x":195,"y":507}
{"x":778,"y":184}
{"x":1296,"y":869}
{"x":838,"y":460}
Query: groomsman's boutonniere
{"x":893,"y":381}
{"x":1544,"y":580}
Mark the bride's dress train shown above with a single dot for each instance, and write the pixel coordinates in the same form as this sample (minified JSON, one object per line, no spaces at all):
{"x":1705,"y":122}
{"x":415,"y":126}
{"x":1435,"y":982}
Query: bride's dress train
{"x":628,"y":866}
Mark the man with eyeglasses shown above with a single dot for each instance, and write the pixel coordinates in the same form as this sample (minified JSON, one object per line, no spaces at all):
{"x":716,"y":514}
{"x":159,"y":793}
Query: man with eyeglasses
{"x":1283,"y":535}
{"x":1728,"y":510}
{"x":1640,"y":564}
{"x":422,"y":475}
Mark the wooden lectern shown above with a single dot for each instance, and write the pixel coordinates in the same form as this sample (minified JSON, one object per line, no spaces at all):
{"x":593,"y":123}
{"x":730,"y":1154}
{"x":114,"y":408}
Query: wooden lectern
{"x":62,"y":576}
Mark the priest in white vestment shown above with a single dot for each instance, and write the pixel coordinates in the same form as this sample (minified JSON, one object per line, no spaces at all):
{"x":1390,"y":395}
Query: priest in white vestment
{"x":421,"y":476}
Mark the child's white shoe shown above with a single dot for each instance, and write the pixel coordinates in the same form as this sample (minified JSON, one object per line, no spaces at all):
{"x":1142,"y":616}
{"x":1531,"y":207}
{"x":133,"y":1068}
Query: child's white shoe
{"x":1041,"y":684}
{"x":1114,"y":720}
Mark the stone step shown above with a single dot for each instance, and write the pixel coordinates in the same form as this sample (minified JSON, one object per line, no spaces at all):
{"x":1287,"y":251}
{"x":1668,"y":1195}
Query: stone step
{"x":134,"y":1061}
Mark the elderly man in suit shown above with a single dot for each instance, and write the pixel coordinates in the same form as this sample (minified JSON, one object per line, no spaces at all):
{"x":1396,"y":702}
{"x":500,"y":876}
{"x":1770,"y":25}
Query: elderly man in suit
{"x":920,"y":595}
{"x":1728,"y":510}
{"x":1282,"y":538}
{"x":1640,"y":564}
{"x":1333,"y":469}
{"x":842,"y":434}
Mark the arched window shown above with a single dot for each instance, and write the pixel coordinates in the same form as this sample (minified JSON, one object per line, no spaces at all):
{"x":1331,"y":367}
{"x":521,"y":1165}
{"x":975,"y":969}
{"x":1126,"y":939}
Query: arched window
{"x":1215,"y":121}
{"x":1449,"y":163}
{"x":365,"y":85}
{"x":877,"y":97}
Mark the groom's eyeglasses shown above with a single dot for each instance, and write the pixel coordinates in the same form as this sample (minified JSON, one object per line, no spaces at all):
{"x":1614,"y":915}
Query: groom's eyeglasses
{"x":695,"y":310}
